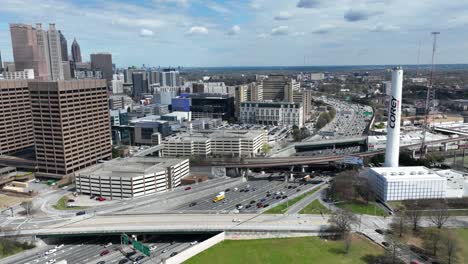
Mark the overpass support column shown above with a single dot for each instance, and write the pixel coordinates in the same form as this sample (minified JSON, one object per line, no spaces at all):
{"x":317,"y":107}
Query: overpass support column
{"x":303,"y":168}
{"x":445,"y":146}
{"x":414,"y":154}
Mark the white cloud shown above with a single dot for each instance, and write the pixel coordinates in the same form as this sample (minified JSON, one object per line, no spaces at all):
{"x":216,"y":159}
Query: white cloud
{"x":146,"y":32}
{"x":218,"y":8}
{"x":197,"y":30}
{"x":299,"y":33}
{"x":262,"y":35}
{"x":281,"y":30}
{"x":234,"y":30}
{"x":384,"y":28}
{"x":183,"y":3}
{"x":323,"y":29}
{"x":308,"y":3}
{"x":283,"y":15}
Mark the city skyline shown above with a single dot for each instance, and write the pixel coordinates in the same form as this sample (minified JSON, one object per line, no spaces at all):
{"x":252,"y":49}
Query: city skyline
{"x":228,"y":33}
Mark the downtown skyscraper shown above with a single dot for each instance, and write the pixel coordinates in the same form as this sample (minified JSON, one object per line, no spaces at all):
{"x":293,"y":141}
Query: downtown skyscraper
{"x":75,"y":51}
{"x":38,"y":49}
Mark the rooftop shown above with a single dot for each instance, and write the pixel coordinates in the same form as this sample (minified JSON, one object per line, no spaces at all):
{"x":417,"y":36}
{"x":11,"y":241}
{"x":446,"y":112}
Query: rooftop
{"x":202,"y":135}
{"x":130,"y":167}
{"x":407,"y":173}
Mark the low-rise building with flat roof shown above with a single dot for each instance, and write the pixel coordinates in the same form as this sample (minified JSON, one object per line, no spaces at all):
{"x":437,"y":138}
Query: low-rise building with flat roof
{"x":407,"y":183}
{"x":132,"y":177}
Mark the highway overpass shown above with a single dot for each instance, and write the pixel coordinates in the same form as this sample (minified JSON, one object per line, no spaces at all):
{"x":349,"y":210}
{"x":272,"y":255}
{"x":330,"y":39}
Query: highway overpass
{"x":269,"y":162}
{"x":178,"y":223}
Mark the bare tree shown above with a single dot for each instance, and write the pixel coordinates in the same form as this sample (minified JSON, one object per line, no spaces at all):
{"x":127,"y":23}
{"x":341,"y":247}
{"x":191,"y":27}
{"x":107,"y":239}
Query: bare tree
{"x":398,"y":224}
{"x":341,"y":220}
{"x":28,"y":206}
{"x":347,"y":241}
{"x":392,"y":253}
{"x":451,"y":247}
{"x":440,"y":215}
{"x":413,"y":214}
{"x":432,"y":239}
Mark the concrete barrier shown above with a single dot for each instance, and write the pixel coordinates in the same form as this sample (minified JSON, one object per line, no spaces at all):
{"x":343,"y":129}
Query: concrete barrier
{"x":196,"y":249}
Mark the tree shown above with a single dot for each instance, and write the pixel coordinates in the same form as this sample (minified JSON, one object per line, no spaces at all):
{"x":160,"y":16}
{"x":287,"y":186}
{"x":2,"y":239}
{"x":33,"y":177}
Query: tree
{"x":341,"y":221}
{"x":432,"y":238}
{"x":398,"y":224}
{"x":347,"y":242}
{"x":266,"y":148}
{"x":28,"y":206}
{"x":413,"y":214}
{"x":450,"y":248}
{"x":440,"y":215}
{"x":296,"y":133}
{"x":392,"y":253}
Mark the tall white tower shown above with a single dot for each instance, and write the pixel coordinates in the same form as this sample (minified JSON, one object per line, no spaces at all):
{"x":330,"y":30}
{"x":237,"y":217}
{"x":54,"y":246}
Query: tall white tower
{"x":394,"y":117}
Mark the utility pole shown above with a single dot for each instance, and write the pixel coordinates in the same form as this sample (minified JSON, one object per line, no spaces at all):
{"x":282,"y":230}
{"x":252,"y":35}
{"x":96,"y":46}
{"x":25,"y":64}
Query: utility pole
{"x":429,"y":96}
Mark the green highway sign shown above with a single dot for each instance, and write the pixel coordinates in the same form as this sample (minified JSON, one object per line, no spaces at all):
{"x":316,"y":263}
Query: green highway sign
{"x":367,"y":113}
{"x":124,"y":238}
{"x":140,"y":247}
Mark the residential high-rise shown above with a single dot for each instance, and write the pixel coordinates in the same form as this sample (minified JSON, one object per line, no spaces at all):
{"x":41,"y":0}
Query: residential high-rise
{"x":71,"y":125}
{"x":63,"y":47}
{"x":102,"y":62}
{"x":55,"y":53}
{"x":26,"y":50}
{"x":170,"y":78}
{"x":140,"y":84}
{"x":75,"y":51}
{"x":16,"y":128}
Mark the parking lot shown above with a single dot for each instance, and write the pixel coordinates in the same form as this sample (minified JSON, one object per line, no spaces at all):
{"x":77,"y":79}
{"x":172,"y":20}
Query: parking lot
{"x":108,"y":250}
{"x":248,"y":197}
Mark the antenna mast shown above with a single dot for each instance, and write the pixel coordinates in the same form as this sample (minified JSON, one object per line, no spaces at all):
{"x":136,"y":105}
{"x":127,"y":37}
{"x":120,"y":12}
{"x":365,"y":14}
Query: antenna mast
{"x":429,"y":96}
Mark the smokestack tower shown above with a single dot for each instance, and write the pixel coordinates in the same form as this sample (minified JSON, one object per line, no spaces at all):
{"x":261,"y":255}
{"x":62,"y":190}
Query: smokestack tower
{"x":394,"y":117}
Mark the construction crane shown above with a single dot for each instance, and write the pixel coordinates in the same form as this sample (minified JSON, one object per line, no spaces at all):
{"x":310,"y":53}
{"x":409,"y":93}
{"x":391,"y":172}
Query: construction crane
{"x":429,"y":96}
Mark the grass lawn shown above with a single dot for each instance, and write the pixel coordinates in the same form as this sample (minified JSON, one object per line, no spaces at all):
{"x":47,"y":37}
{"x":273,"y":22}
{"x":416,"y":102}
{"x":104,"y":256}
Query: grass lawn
{"x":462,"y":235}
{"x":357,"y":208}
{"x":288,"y":250}
{"x":62,"y":205}
{"x":10,"y":247}
{"x":283,"y":207}
{"x":315,"y":207}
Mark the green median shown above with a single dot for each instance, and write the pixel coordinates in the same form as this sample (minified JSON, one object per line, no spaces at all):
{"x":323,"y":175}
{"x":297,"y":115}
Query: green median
{"x":283,"y":207}
{"x":62,"y":205}
{"x":315,"y":207}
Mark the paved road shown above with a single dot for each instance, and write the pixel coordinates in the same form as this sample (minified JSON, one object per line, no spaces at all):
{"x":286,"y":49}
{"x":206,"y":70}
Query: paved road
{"x":296,"y":208}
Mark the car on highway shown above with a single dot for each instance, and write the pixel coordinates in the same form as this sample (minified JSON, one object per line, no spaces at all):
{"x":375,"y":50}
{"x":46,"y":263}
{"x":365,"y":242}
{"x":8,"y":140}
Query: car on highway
{"x":188,"y":188}
{"x":71,"y":200}
{"x":103,"y":253}
{"x":263,"y":199}
{"x":123,"y":261}
{"x":284,"y":196}
{"x":380,"y":231}
{"x":248,"y":206}
{"x":101,"y":199}
{"x":236,"y":220}
{"x":153,"y":247}
{"x":259,"y":205}
{"x":59,"y":246}
{"x":252,"y":202}
{"x":192,"y":204}
{"x":101,"y":262}
{"x":92,"y":196}
{"x":173,"y":254}
{"x":108,"y":245}
{"x":51,"y":261}
{"x":240,"y":207}
{"x":385,"y":244}
{"x":164,"y":250}
{"x":235,"y":189}
{"x":193,"y":243}
{"x":227,"y":190}
{"x":265,"y":205}
{"x":414,"y":262}
{"x":129,"y":254}
{"x":139,"y":258}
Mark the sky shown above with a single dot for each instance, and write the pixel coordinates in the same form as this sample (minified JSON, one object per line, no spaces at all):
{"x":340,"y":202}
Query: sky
{"x":204,"y":33}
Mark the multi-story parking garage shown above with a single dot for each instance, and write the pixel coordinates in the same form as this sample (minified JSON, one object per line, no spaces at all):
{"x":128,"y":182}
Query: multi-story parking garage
{"x":131,"y":177}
